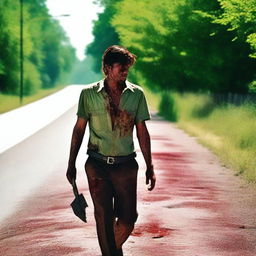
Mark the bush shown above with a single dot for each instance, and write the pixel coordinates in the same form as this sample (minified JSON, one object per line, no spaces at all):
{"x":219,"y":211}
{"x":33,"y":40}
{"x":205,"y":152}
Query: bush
{"x":204,"y":109}
{"x":167,"y":107}
{"x":252,"y":87}
{"x":32,"y":82}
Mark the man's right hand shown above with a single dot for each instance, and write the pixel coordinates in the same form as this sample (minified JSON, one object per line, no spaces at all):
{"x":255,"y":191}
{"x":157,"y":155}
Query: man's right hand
{"x":71,"y":174}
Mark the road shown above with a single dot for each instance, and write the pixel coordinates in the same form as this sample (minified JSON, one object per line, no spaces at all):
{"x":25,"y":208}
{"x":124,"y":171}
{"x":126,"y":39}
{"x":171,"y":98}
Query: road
{"x":198,"y":207}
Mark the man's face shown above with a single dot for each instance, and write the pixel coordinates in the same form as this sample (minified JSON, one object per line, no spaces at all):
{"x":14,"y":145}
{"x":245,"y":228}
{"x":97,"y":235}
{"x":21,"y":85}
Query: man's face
{"x":118,"y":72}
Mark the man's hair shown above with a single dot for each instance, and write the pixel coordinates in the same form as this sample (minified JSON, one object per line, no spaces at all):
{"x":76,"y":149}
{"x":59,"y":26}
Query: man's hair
{"x":117,"y":54}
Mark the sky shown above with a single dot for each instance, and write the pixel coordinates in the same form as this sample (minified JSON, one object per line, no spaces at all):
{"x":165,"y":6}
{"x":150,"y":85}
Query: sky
{"x":78,"y":25}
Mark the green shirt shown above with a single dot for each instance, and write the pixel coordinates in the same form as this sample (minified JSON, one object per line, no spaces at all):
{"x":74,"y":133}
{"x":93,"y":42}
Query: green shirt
{"x":112,"y":136}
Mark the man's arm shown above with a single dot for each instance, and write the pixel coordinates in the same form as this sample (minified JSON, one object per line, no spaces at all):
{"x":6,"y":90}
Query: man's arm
{"x":145,"y":145}
{"x":76,"y":141}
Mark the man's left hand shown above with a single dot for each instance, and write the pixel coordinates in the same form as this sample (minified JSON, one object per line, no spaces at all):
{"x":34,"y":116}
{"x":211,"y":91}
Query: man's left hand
{"x":150,"y":178}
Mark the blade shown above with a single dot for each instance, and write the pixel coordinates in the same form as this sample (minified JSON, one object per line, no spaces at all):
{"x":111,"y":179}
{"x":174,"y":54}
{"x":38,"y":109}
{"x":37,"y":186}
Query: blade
{"x":78,"y":205}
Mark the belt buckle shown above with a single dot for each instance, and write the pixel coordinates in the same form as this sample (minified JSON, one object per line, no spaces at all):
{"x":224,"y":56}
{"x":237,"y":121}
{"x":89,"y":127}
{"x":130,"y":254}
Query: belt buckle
{"x":110,"y":160}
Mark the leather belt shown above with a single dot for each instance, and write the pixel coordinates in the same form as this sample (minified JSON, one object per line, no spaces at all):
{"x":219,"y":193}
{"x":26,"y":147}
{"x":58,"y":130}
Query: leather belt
{"x":111,"y":159}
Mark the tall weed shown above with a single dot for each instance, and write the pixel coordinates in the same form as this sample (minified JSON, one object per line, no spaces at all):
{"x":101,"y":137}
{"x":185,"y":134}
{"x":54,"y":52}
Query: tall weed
{"x":229,"y":130}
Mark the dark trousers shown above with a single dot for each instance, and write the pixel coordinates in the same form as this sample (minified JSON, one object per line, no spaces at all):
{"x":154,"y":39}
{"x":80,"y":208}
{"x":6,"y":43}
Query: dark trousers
{"x":113,"y":189}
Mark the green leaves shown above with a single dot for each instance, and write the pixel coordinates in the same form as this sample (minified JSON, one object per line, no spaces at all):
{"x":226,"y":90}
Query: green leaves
{"x":239,"y":15}
{"x":104,"y":34}
{"x":47,"y":51}
{"x":251,"y":39}
{"x":183,"y":45}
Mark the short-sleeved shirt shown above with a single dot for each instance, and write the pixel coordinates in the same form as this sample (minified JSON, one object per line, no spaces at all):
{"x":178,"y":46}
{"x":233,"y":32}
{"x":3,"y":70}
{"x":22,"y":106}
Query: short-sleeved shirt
{"x":112,"y":136}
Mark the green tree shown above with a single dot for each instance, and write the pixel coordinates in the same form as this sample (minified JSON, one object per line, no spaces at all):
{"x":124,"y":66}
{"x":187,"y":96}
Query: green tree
{"x":56,"y":53}
{"x":9,"y":45}
{"x":240,"y":16}
{"x":82,"y":72}
{"x":179,"y":48}
{"x":104,"y":33}
{"x":47,"y":51}
{"x":52,"y":53}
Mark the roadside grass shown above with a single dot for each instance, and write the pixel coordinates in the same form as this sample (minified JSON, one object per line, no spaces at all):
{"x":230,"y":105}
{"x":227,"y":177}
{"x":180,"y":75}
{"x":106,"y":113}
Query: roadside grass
{"x":228,"y":130}
{"x":10,"y":102}
{"x":153,"y":99}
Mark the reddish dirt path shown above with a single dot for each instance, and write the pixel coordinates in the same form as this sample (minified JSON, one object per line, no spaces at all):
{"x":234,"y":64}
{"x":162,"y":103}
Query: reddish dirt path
{"x":198,"y":208}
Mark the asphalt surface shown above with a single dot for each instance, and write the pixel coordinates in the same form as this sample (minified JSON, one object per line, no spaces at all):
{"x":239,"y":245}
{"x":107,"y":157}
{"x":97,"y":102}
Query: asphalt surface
{"x":198,"y":208}
{"x":20,"y":123}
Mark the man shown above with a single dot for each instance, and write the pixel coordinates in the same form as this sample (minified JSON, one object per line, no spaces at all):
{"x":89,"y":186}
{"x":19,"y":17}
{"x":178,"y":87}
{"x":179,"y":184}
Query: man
{"x":112,"y":107}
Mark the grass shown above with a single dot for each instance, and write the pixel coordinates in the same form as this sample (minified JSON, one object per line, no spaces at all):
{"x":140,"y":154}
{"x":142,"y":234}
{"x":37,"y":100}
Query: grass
{"x":228,"y":130}
{"x":10,"y":102}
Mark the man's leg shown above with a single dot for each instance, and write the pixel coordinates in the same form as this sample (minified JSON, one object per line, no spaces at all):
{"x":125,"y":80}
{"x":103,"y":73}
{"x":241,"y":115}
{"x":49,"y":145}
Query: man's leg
{"x":122,"y":232}
{"x":124,"y":179}
{"x":102,"y":195}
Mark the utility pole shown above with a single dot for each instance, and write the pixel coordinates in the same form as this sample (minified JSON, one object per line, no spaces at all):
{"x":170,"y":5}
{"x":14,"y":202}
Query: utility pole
{"x":21,"y":52}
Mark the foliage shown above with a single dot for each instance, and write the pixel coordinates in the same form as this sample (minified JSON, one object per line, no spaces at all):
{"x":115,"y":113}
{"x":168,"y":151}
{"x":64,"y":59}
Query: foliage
{"x":252,"y":87}
{"x":32,"y":82}
{"x":179,"y":48}
{"x":167,"y":107}
{"x":240,"y":16}
{"x":57,"y":55}
{"x":47,"y":51}
{"x":82,"y":73}
{"x":103,"y":32}
{"x":9,"y":45}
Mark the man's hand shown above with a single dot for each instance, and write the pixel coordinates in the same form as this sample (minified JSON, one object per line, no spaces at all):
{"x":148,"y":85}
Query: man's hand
{"x":71,"y":174}
{"x":150,"y":177}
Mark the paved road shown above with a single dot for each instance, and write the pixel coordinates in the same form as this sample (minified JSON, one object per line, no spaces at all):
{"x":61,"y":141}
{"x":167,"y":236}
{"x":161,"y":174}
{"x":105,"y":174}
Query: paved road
{"x":20,"y":123}
{"x":198,"y":207}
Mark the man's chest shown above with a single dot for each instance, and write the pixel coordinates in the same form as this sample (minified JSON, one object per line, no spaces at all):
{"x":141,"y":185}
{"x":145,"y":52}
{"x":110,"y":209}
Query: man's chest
{"x":103,"y":102}
{"x":115,"y":113}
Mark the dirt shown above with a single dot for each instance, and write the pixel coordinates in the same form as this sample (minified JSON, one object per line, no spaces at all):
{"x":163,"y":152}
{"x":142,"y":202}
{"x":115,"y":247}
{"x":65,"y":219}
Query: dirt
{"x":124,"y":123}
{"x":122,"y":120}
{"x":93,"y":147}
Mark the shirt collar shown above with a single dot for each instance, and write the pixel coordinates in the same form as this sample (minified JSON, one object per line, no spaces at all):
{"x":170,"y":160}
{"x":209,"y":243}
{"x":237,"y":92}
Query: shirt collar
{"x":101,"y":85}
{"x":127,"y":83}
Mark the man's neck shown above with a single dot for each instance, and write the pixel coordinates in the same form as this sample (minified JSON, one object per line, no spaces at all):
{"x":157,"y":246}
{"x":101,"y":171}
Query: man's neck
{"x":114,"y":85}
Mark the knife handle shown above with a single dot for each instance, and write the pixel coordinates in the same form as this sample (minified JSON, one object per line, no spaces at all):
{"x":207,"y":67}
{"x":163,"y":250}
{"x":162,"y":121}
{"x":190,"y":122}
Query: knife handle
{"x":75,"y":190}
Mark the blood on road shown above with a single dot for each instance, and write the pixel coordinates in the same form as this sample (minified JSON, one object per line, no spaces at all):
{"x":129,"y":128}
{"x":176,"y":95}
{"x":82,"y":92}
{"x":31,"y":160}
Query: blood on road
{"x":189,"y":213}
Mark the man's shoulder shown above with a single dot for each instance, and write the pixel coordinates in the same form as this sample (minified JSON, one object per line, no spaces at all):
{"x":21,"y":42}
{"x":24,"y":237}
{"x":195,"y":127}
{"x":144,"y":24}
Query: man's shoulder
{"x":92,"y":87}
{"x":135,"y":87}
